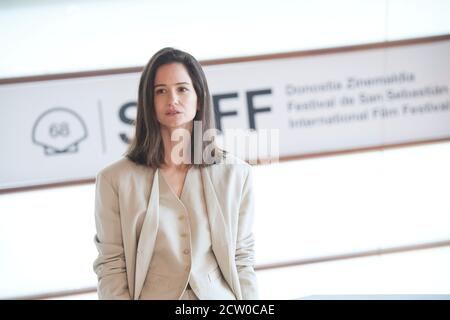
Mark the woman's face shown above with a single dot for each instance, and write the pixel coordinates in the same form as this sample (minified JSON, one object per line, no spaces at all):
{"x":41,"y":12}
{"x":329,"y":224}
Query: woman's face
{"x":175,"y":98}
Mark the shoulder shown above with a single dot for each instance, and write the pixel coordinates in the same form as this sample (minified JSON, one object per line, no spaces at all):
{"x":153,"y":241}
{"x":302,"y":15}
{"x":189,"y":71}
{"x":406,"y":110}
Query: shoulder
{"x":121,"y":169}
{"x":231,"y":165}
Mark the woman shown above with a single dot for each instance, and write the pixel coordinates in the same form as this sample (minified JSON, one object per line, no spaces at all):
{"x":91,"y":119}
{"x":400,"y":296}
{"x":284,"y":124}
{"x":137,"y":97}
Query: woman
{"x":174,"y":218}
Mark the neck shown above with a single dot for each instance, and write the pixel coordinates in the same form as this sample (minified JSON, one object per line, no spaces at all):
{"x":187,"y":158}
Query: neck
{"x":176,"y":151}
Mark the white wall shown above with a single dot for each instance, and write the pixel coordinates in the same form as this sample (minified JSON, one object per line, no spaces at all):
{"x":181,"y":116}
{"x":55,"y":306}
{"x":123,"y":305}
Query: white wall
{"x":53,"y":36}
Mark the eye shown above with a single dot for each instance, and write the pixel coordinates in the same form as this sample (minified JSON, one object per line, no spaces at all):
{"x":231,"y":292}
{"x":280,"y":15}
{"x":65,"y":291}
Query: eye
{"x":183,"y":89}
{"x":159,"y":91}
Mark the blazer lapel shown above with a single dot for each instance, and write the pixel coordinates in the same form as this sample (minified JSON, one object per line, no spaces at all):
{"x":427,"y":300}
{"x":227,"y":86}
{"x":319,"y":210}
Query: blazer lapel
{"x":147,"y":237}
{"x":220,"y":237}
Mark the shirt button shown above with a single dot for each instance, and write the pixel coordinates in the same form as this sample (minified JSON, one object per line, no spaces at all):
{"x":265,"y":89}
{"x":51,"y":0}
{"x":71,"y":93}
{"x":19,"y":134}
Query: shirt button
{"x":183,"y":235}
{"x":180,"y":217}
{"x":187,"y":268}
{"x":186,"y":251}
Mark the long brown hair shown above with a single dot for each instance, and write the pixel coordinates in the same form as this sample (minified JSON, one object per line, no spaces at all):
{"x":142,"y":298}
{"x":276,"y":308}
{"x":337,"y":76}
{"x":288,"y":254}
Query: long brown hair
{"x":147,"y":147}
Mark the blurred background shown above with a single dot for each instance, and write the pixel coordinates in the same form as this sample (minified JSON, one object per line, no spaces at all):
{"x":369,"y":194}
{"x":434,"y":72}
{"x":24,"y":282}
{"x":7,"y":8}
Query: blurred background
{"x":371,"y":219}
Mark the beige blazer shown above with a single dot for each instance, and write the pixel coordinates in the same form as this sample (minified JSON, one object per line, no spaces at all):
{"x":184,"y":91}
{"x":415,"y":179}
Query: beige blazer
{"x":126,"y":217}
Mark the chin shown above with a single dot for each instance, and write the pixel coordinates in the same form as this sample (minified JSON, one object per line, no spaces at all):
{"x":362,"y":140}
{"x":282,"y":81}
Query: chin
{"x":175,"y":124}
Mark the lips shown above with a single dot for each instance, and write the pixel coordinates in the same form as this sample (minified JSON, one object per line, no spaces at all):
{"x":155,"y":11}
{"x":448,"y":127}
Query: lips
{"x":173,"y":112}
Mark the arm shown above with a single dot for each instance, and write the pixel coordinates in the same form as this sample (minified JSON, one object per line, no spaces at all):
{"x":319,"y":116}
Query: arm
{"x":245,"y":255}
{"x":110,"y":263}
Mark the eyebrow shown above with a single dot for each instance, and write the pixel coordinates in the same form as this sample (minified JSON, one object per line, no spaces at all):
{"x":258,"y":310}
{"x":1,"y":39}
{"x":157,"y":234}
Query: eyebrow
{"x":160,"y":85}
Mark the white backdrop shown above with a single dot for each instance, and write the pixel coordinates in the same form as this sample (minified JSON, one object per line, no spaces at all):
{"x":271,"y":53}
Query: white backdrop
{"x":70,"y":129}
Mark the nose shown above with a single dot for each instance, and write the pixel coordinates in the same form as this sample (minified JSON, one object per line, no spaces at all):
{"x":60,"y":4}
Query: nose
{"x":173,"y":98}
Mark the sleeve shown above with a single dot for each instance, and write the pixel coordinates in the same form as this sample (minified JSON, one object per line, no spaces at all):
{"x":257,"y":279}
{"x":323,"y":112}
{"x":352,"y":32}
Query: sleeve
{"x":245,"y":254}
{"x":110,"y":264}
